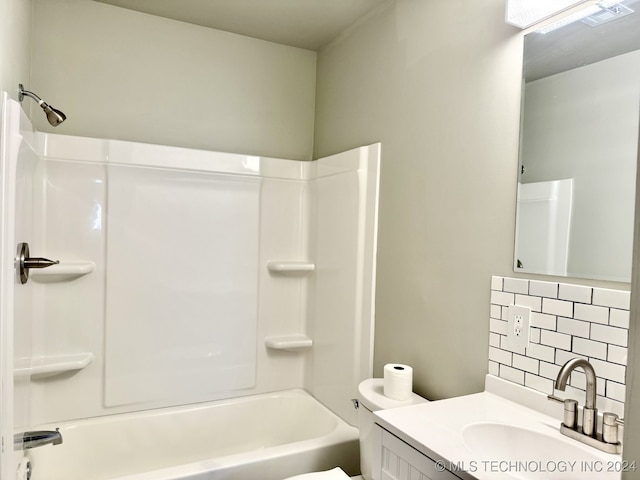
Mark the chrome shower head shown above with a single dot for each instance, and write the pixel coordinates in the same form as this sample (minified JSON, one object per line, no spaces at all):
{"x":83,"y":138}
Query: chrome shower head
{"x":54,"y":116}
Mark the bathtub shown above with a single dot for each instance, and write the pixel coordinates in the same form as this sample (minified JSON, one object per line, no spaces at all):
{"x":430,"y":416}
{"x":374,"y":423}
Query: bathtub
{"x":263,"y":437}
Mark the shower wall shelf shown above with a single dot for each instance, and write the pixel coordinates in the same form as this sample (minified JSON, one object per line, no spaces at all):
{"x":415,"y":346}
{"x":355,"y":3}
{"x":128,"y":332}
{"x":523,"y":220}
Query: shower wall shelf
{"x":288,"y":342}
{"x":291,"y":267}
{"x":64,"y":271}
{"x":48,"y":366}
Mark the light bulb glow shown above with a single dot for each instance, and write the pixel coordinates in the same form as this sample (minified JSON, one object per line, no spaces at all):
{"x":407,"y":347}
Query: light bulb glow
{"x":525,"y":13}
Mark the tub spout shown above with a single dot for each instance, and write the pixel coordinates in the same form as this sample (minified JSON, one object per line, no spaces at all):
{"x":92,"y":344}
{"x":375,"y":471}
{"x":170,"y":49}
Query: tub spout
{"x":37,"y":438}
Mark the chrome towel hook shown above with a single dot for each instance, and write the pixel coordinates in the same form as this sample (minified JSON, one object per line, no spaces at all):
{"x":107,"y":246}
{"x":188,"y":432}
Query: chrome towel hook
{"x":24,"y":262}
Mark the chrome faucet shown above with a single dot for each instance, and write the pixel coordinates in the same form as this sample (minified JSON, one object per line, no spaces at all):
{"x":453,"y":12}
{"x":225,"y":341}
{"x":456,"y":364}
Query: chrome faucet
{"x":590,"y":412}
{"x":37,"y":438}
{"x":588,"y":432}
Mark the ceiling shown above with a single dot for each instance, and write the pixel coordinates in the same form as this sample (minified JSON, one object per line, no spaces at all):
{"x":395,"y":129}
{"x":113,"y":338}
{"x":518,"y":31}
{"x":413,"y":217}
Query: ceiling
{"x":308,"y":24}
{"x":578,"y":44}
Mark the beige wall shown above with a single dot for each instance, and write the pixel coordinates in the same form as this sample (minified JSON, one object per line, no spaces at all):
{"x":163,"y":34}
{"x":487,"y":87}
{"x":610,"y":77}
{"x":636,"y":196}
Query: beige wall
{"x":438,"y":83}
{"x":15,"y":45}
{"x":126,"y":75}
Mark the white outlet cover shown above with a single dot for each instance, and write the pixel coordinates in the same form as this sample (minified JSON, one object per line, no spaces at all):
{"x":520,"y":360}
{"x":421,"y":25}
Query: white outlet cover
{"x":518,"y":326}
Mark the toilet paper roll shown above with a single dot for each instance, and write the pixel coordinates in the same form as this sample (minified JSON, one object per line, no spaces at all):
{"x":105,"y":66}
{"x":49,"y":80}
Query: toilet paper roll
{"x":398,"y":381}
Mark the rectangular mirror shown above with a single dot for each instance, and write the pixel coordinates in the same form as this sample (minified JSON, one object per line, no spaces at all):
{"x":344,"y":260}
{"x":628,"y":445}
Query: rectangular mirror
{"x":579,"y":147}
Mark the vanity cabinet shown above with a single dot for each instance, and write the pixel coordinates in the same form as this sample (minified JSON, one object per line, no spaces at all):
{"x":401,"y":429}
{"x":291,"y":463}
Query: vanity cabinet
{"x":394,"y":459}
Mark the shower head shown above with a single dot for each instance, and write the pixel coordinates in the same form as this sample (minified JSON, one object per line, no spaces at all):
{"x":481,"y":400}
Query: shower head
{"x":54,"y":116}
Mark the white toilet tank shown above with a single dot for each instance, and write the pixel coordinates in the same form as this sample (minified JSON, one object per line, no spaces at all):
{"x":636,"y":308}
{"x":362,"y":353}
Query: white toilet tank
{"x":371,"y":398}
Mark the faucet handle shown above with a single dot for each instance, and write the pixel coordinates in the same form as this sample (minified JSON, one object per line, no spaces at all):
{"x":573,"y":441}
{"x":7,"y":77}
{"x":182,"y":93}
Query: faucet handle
{"x":570,"y":418}
{"x":570,"y":413}
{"x":610,"y":422}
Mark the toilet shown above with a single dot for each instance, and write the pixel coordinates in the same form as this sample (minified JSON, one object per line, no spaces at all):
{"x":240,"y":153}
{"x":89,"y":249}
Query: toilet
{"x":370,"y":398}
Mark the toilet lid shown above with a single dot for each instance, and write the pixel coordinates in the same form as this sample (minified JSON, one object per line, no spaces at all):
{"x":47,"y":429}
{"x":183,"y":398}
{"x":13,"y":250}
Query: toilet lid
{"x":333,"y":474}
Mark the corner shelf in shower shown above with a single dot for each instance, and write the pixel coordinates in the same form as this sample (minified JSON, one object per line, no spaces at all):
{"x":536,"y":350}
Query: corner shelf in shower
{"x":288,"y":342}
{"x":290,"y":267}
{"x":48,"y":366}
{"x":64,"y":271}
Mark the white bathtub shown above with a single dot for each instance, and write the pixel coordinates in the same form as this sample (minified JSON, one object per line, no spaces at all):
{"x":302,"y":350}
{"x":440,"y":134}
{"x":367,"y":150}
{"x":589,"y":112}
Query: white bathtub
{"x":262,"y":437}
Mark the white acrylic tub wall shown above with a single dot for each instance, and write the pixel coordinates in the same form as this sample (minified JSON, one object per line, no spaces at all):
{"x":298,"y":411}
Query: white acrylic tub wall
{"x":188,"y":231}
{"x":266,"y":437}
{"x":254,"y":275}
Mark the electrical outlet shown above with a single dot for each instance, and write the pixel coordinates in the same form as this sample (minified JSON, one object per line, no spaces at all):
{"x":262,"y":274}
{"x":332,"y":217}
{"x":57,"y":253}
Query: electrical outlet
{"x":518,"y":326}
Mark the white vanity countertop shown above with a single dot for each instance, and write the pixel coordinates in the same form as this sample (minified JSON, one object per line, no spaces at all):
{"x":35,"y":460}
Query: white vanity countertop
{"x":441,"y":430}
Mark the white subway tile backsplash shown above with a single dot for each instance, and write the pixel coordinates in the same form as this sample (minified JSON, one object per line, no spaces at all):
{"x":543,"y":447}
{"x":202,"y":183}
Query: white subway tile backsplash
{"x":541,"y":352}
{"x":509,"y":347}
{"x":617,"y":355}
{"x":591,"y":313}
{"x":502,"y":298}
{"x":538,"y":383}
{"x":555,"y":339}
{"x":589,"y":348}
{"x":497,"y":326}
{"x":501,"y":356}
{"x":614,"y":390}
{"x":534,"y":335}
{"x":516,"y":285}
{"x":543,"y":320}
{"x":549,"y":370}
{"x":619,"y":318}
{"x":578,"y":379}
{"x":534,"y":303}
{"x":577,"y":328}
{"x":557,"y":307}
{"x":574,"y":293}
{"x":567,"y":321}
{"x":608,"y":370}
{"x":512,"y":374}
{"x":527,"y":364}
{"x":614,"y":335}
{"x":612,"y":298}
{"x":543,"y":289}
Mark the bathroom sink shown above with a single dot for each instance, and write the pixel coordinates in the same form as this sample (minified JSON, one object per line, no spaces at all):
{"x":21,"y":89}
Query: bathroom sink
{"x":519,"y":453}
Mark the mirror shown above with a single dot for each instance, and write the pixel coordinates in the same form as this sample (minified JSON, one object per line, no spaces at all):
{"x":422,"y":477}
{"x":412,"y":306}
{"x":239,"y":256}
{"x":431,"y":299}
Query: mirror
{"x":579,"y":147}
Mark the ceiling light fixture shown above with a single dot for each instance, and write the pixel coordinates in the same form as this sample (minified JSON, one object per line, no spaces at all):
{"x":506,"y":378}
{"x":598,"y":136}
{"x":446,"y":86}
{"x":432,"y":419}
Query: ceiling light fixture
{"x":574,"y":17}
{"x":593,"y":15}
{"x":525,"y":13}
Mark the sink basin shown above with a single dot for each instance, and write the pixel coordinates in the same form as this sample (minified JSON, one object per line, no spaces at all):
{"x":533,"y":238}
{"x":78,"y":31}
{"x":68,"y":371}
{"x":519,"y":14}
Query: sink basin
{"x":520,"y":453}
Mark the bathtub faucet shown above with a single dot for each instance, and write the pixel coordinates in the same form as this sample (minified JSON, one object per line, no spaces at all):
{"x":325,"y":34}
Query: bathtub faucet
{"x":37,"y":438}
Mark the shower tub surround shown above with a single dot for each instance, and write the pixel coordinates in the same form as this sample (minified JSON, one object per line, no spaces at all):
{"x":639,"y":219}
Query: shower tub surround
{"x":567,"y":321}
{"x":198,"y":294}
{"x":189,"y":276}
